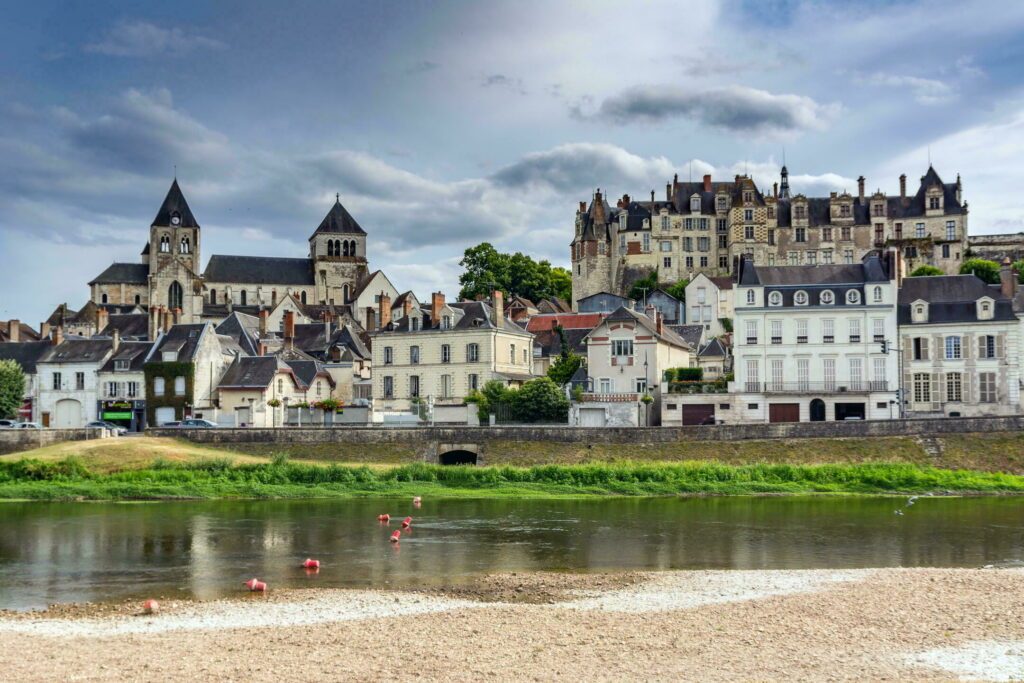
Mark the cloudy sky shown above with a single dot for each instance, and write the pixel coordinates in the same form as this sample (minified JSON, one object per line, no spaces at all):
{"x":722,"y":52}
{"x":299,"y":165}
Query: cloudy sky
{"x":444,"y":124}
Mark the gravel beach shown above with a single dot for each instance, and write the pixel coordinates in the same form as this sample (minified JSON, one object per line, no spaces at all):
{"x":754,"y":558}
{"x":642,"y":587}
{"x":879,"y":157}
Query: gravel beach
{"x":918,"y":624}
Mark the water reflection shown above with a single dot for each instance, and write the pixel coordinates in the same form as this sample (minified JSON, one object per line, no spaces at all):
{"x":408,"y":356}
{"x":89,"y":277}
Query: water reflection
{"x":76,"y":551}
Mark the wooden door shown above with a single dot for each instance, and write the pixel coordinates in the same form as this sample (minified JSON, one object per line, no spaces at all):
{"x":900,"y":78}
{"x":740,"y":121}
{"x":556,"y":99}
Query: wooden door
{"x":784,"y":412}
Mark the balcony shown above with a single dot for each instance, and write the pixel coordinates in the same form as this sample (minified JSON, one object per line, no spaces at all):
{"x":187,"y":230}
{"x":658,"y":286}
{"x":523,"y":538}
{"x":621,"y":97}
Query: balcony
{"x":838,"y":387}
{"x":694,"y":387}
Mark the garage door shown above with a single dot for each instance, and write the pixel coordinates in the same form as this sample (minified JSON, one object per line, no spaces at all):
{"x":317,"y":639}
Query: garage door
{"x":164,"y":415}
{"x":698,"y":414}
{"x":784,"y":412}
{"x":68,"y":414}
{"x":592,"y":417}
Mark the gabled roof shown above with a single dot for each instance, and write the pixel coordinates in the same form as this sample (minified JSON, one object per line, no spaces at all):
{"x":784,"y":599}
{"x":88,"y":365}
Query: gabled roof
{"x":255,"y":372}
{"x":568,"y":321}
{"x":25,"y":332}
{"x":339,"y":220}
{"x":691,"y":334}
{"x":184,"y":339}
{"x":668,"y":335}
{"x":259,"y":270}
{"x":123,"y":273}
{"x":61,"y":315}
{"x":175,"y":204}
{"x":951,"y":299}
{"x":550,"y":342}
{"x":134,"y":352}
{"x":25,"y":354}
{"x":78,"y":351}
{"x":243,"y":328}
{"x":713,"y":349}
{"x":308,"y":370}
{"x":128,"y":325}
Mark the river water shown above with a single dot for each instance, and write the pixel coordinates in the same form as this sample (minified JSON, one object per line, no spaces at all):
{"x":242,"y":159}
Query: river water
{"x":73,"y":552}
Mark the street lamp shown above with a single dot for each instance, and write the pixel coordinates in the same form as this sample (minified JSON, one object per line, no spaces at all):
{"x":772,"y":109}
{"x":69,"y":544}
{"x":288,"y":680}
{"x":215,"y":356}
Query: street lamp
{"x":284,"y":411}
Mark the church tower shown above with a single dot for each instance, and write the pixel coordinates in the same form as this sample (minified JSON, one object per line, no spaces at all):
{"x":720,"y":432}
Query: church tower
{"x":173,"y":258}
{"x":337,"y":249}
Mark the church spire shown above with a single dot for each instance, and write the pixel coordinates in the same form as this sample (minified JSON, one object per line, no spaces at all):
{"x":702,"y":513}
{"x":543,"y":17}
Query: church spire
{"x":175,"y":211}
{"x":784,"y":185}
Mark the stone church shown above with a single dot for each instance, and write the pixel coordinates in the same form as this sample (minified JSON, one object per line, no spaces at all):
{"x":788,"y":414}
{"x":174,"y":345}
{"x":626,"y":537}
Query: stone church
{"x":169,"y":276}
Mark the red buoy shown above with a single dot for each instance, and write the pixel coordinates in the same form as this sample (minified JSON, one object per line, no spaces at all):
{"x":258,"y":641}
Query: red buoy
{"x":150,"y":606}
{"x":395,"y":536}
{"x":256,"y":586}
{"x":311,"y":564}
{"x":383,"y":518}
{"x":407,"y":522}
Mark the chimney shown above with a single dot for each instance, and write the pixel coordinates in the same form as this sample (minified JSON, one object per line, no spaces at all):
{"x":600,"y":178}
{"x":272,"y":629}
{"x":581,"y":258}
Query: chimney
{"x":583,"y":207}
{"x":903,"y":186}
{"x":437,"y":303}
{"x":327,"y":327}
{"x":289,"y":328}
{"x":599,"y":216}
{"x":385,"y":310}
{"x":498,"y":304}
{"x":652,"y":196}
{"x":775,"y":190}
{"x":168,"y":322}
{"x":659,"y":323}
{"x":668,"y":192}
{"x":651,"y":312}
{"x":371,"y":319}
{"x":14,"y":330}
{"x":44,"y":330}
{"x":102,"y":319}
{"x":707,"y":182}
{"x":1007,"y":279}
{"x":407,"y":307}
{"x":58,"y":335}
{"x":177,"y":316}
{"x":115,"y":339}
{"x":860,"y":188}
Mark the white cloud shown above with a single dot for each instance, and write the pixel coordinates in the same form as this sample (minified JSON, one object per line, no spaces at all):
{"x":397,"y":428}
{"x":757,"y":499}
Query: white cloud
{"x":925,"y":90}
{"x":143,"y":39}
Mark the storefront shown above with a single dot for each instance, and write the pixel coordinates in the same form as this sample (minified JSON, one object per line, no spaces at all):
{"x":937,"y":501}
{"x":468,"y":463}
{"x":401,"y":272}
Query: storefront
{"x":128,"y":414}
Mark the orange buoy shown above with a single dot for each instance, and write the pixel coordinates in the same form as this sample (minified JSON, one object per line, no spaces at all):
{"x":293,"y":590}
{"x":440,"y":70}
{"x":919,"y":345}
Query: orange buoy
{"x":383,"y":518}
{"x":311,"y":564}
{"x":150,"y":606}
{"x":395,"y":536}
{"x":416,"y":500}
{"x":256,"y":586}
{"x":407,"y":522}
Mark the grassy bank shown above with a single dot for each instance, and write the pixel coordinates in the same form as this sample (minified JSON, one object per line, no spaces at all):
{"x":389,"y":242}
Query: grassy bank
{"x":71,"y":479}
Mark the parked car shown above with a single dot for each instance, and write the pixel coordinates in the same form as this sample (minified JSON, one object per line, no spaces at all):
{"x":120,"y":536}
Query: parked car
{"x":170,"y":425}
{"x":103,"y":424}
{"x":197,"y":423}
{"x":8,"y":424}
{"x":28,"y":425}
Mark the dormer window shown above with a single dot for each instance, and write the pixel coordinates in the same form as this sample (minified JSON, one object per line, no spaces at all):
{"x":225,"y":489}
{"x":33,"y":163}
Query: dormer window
{"x":878,"y":295}
{"x":827,"y":298}
{"x":695,"y":204}
{"x":664,"y":222}
{"x":844,"y":210}
{"x":774,"y":299}
{"x":750,"y":297}
{"x":800,"y":298}
{"x":853,"y":297}
{"x":748,"y":196}
{"x":622,"y":220}
{"x":446,"y":322}
{"x":121,"y":365}
{"x":799,"y":212}
{"x":986,"y":309}
{"x":919,"y":312}
{"x":722,"y":203}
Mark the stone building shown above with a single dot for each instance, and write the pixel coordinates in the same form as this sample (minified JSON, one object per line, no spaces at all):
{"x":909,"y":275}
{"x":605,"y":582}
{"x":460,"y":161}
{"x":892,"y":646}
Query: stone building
{"x":706,"y":227}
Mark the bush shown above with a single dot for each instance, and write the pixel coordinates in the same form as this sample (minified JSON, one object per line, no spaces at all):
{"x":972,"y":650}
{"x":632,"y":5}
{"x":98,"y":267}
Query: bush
{"x":986,"y":270}
{"x":726,"y":324}
{"x":12,"y":388}
{"x":540,"y":400}
{"x":926,"y":271}
{"x":689,"y":374}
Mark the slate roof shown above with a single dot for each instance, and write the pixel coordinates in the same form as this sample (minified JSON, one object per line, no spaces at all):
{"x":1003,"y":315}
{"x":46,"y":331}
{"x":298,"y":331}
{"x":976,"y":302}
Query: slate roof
{"x":668,"y":335}
{"x":255,"y":372}
{"x":691,"y":334}
{"x":870,"y":269}
{"x":713,"y":349}
{"x":221,"y":310}
{"x":25,"y":332}
{"x":243,"y":328}
{"x":25,"y":354}
{"x":127,"y":325}
{"x":61,"y":315}
{"x":123,"y":273}
{"x":550,"y":342}
{"x":174,"y":203}
{"x":951,"y":299}
{"x":683,"y":191}
{"x":133,"y":351}
{"x":77,"y":351}
{"x":722,"y":281}
{"x":182,"y":338}
{"x":339,"y":220}
{"x":308,"y":370}
{"x":259,"y":270}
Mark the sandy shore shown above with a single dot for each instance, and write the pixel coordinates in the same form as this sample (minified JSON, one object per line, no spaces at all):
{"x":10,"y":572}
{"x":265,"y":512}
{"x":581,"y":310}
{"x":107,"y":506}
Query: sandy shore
{"x":919,"y":624}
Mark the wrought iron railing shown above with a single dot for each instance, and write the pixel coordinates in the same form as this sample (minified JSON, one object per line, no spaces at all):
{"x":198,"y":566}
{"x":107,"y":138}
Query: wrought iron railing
{"x":798,"y":387}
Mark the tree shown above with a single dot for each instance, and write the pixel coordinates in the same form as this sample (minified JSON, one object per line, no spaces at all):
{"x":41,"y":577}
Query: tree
{"x":644,"y":286}
{"x":567,"y":363}
{"x":986,"y":270}
{"x":925,"y":271}
{"x":487,"y":398}
{"x":1018,"y":266}
{"x":540,"y":400}
{"x":486,"y":269}
{"x":678,"y":290}
{"x":12,"y":388}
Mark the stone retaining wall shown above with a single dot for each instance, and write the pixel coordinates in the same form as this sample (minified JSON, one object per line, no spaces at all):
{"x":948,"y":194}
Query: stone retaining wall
{"x":15,"y":440}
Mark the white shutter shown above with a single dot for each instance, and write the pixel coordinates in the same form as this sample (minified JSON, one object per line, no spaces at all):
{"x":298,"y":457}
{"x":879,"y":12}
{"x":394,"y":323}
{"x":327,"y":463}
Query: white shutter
{"x":1001,"y":345}
{"x":936,"y":397}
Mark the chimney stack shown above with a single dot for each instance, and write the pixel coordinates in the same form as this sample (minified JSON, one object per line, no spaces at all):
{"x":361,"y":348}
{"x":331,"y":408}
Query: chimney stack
{"x":58,"y":335}
{"x":437,"y":303}
{"x":407,"y":307}
{"x":775,"y":189}
{"x":903,"y":186}
{"x":668,"y":192}
{"x":115,"y":339}
{"x":102,"y":319}
{"x":264,"y":316}
{"x":860,"y":188}
{"x":168,"y":321}
{"x":14,"y":330}
{"x":652,"y":197}
{"x":289,"y":328}
{"x":327,"y":327}
{"x":707,"y":182}
{"x":385,"y":310}
{"x":659,"y":323}
{"x":1007,"y":279}
{"x":498,"y":304}
{"x":177,"y":316}
{"x":583,"y":207}
{"x":371,"y":319}
{"x":44,"y":330}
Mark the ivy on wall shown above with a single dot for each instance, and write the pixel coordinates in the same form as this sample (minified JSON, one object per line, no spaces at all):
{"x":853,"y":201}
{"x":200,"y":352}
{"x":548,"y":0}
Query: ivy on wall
{"x":169,"y":371}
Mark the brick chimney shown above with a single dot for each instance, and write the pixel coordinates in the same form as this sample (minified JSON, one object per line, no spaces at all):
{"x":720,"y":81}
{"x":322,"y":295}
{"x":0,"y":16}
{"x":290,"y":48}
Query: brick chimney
{"x":583,"y":207}
{"x":168,"y":320}
{"x":289,"y":328}
{"x":407,"y":307}
{"x":775,"y":190}
{"x":44,"y":330}
{"x":385,"y":310}
{"x":57,"y":338}
{"x":860,"y":188}
{"x":437,"y":302}
{"x":1007,"y":279}
{"x":668,"y":192}
{"x":327,"y":326}
{"x":177,"y":316}
{"x":14,"y":330}
{"x":903,"y":186}
{"x":115,"y":339}
{"x":371,"y":319}
{"x":599,"y":216}
{"x":102,"y":319}
{"x":659,"y":323}
{"x":498,"y":308}
{"x":264,"y":316}
{"x":707,"y":182}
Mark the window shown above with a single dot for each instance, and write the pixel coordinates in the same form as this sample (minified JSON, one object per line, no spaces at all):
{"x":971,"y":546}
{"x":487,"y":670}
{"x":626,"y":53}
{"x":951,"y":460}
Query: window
{"x":622,"y":243}
{"x":79,"y":381}
{"x":776,"y":374}
{"x":844,"y":210}
{"x":878,"y":375}
{"x":389,"y":386}
{"x":622,"y":220}
{"x":213,"y":296}
{"x":987,"y":346}
{"x":812,"y":258}
{"x":922,"y":387}
{"x":721,"y":225}
{"x":800,"y":212}
{"x":695,"y":204}
{"x":472,"y":353}
{"x":987,"y":387}
{"x":826,"y":234}
{"x":801,"y":234}
{"x":446,"y":322}
{"x":414,"y":355}
{"x":601,"y":248}
{"x":133,"y":389}
{"x":751,"y":332}
{"x":184,"y":247}
{"x":776,"y":331}
{"x":723,"y":241}
{"x":446,"y":386}
{"x":919,"y":348}
{"x":122,"y":365}
{"x":723,"y":262}
{"x":848,"y":256}
{"x":752,"y":383}
{"x":828,"y":331}
{"x":414,"y":385}
{"x":793,"y":258}
{"x":950,"y":230}
{"x":771,"y":212}
{"x":689,"y":263}
{"x":319,"y":384}
{"x":605,"y":385}
{"x":720,"y":204}
{"x":748,"y":215}
{"x":687,"y":244}
{"x":826,"y":256}
{"x":165,"y":244}
{"x":845,"y":233}
{"x":854,"y":324}
{"x":158,"y":386}
{"x":954,"y":390}
{"x":512,"y":355}
{"x":703,"y":244}
{"x":703,"y":224}
{"x":389,"y":355}
{"x":775,"y":299}
{"x":856,"y":374}
{"x":748,"y":196}
{"x":111,"y":389}
{"x":800,"y":298}
{"x":473,"y":381}
{"x":622,"y":347}
{"x":666,"y":262}
{"x":852,"y":297}
{"x":138,"y":299}
{"x":898,"y":231}
{"x":953,"y":350}
{"x":688,"y":224}
{"x":748,"y":232}
{"x":919,"y":231}
{"x":828,"y":372}
{"x":665,"y":245}
{"x":827,"y":298}
{"x":878,"y":210}
{"x":446,"y":353}
{"x":647,"y":241}
{"x":640,"y":385}
{"x":664,"y":222}
{"x":803,"y":373}
{"x":175,"y":296}
{"x":707,"y":313}
{"x":415,"y":323}
{"x":879,"y":234}
{"x":877,"y":295}
{"x":771,"y":237}
{"x":801,"y":331}
{"x":750,"y":297}
{"x":179,"y":386}
{"x":878,"y":329}
{"x":945,"y":251}
{"x":695,"y":314}
{"x":933,"y":203}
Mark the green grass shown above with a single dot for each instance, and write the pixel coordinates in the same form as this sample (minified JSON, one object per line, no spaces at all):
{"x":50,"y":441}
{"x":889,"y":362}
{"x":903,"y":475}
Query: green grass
{"x":222,"y":478}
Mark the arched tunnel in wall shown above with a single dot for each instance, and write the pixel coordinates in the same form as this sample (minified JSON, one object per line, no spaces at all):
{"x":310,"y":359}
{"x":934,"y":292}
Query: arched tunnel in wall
{"x":457,"y":457}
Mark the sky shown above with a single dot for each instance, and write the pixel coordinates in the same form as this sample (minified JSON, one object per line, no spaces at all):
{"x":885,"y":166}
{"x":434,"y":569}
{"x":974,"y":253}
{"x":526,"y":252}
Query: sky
{"x":445,"y":124}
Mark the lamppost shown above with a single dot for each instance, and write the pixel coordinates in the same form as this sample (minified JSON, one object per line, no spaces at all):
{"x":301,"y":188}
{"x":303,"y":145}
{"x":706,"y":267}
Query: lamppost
{"x":284,"y":411}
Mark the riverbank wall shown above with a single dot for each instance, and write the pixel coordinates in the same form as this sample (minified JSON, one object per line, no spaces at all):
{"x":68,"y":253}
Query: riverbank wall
{"x":17,"y":440}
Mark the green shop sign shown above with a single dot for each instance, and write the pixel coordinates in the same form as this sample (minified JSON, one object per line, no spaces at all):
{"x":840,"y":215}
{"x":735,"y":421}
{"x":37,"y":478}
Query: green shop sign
{"x":117,"y":416}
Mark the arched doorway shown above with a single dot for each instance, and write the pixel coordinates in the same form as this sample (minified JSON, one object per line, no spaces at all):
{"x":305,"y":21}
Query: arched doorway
{"x":68,"y":414}
{"x":175,"y":295}
{"x":457,"y":458}
{"x":817,"y":410}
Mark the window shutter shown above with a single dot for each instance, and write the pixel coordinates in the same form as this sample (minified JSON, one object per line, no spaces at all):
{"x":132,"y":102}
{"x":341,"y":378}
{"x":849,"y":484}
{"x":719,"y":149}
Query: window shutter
{"x":908,"y":389}
{"x":936,"y":405}
{"x":968,"y":386}
{"x":981,"y":346}
{"x":943,"y":387}
{"x":1000,"y":345}
{"x":967,"y":346}
{"x":908,"y":349}
{"x":924,"y":348}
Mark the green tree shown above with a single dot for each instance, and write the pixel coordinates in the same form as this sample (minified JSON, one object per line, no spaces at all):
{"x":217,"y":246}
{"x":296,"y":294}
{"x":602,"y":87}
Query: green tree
{"x":485,"y":269}
{"x":986,"y":270}
{"x":925,"y":271}
{"x":1018,"y":266}
{"x":678,"y":290}
{"x":567,"y":363}
{"x":644,"y":286}
{"x":540,"y":400}
{"x":12,"y":388}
